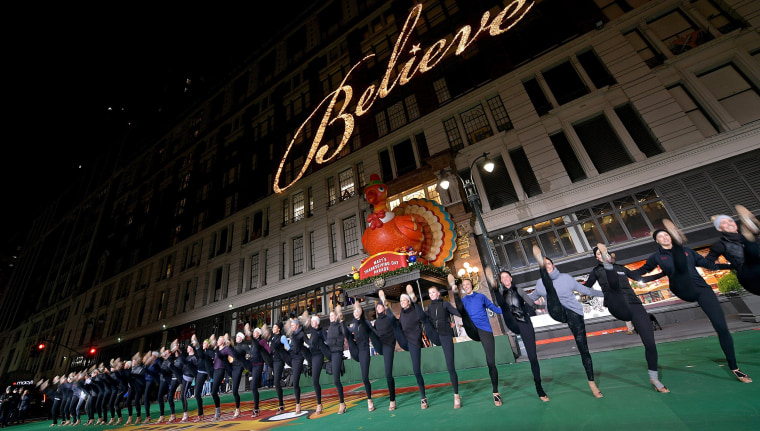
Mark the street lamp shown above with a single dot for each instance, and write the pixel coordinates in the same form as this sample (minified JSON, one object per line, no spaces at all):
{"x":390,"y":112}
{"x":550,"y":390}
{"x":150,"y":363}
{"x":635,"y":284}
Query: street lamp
{"x":474,"y":200}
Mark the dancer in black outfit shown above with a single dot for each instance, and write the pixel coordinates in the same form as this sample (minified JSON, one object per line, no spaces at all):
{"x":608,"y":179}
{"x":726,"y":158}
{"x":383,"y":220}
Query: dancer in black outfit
{"x":437,"y":320}
{"x":259,"y":355}
{"x":239,"y":363}
{"x":623,"y":303}
{"x":152,"y":377}
{"x":137,"y":388}
{"x":122,"y":374}
{"x":91,"y":388}
{"x":104,"y":395}
{"x":358,"y":336}
{"x":680,"y":265}
{"x":221,"y":366}
{"x":54,"y":392}
{"x":67,"y":395}
{"x":739,"y":245}
{"x":389,"y":332}
{"x":200,"y":358}
{"x":166,"y":381}
{"x":113,"y":383}
{"x":411,"y":325}
{"x":517,"y":313}
{"x":335,"y":338}
{"x":298,"y":352}
{"x":278,"y":344}
{"x":318,"y":351}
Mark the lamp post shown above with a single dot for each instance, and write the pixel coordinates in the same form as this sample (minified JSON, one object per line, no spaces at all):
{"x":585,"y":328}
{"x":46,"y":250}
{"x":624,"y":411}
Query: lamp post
{"x":474,"y":200}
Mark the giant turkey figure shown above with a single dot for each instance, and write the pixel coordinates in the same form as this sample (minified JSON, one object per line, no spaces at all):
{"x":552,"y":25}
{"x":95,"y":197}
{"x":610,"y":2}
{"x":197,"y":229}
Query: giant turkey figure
{"x":419,"y":224}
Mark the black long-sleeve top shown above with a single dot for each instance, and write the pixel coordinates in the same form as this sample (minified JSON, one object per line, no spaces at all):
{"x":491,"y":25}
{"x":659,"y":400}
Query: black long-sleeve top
{"x":166,"y":369}
{"x":731,"y":246}
{"x":260,"y":352}
{"x":664,"y":259}
{"x":411,"y":325}
{"x":204,"y":359}
{"x":123,"y":376}
{"x":279,"y":353}
{"x":384,"y":328}
{"x":189,"y":366}
{"x":238,"y":354}
{"x":335,"y":337}
{"x":298,"y":350}
{"x":600,"y":274}
{"x":439,"y":313}
{"x":361,"y":330}
{"x":317,"y":345}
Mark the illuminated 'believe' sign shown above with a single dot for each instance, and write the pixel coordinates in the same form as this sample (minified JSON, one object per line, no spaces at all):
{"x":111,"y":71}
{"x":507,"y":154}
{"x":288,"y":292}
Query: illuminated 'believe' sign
{"x":505,"y":20}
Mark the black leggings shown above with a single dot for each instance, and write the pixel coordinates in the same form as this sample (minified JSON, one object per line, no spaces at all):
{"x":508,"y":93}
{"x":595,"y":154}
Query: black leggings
{"x":297,"y":367}
{"x":237,"y":373}
{"x":316,"y":371}
{"x":116,"y":396}
{"x":489,"y":347}
{"x":336,"y":361}
{"x":103,"y":400}
{"x":749,"y":273}
{"x":217,"y":381}
{"x":682,"y":285}
{"x":146,"y":396}
{"x":578,"y":327}
{"x":617,"y":304}
{"x":139,"y":391}
{"x":89,"y":406}
{"x":447,"y":343}
{"x":416,"y":354}
{"x":164,"y":389}
{"x":256,"y":371}
{"x":364,"y":365}
{"x":277,"y":367}
{"x":388,"y":352}
{"x":200,"y":379}
{"x":182,"y":384}
{"x":528,"y":335}
{"x":55,"y":409}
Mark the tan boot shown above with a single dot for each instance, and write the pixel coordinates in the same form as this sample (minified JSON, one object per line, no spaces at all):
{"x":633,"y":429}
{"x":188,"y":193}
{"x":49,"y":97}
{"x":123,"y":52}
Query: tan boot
{"x":298,"y":408}
{"x":457,"y":401}
{"x":597,"y":393}
{"x":129,"y":421}
{"x":370,"y":405}
{"x":392,"y":407}
{"x":319,"y":409}
{"x":342,"y":408}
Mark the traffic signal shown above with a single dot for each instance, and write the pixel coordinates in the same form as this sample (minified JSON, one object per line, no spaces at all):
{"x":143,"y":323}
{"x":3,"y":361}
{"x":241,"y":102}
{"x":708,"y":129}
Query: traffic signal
{"x":41,"y":347}
{"x":92,"y":351}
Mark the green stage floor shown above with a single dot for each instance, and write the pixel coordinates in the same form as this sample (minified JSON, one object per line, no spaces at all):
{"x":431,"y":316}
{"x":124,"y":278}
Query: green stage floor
{"x":705,"y":396}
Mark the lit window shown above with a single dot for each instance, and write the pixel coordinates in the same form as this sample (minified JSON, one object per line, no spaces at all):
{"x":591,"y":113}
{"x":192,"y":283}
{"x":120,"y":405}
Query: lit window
{"x":441,"y":91}
{"x":499,"y":113}
{"x":452,"y":133}
{"x":476,"y":124}
{"x":298,"y":206}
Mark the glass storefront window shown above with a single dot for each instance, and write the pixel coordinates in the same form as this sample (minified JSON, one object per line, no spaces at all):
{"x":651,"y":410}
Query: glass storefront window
{"x":635,"y":222}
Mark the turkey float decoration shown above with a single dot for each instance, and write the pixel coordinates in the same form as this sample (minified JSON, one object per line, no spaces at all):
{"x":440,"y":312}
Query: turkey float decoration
{"x":417,"y":231}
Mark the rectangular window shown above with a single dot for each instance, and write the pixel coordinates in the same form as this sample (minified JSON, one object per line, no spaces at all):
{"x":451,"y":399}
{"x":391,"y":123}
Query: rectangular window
{"x":285,"y":211}
{"x":525,"y":172}
{"x":282,"y":260}
{"x":264,"y":269}
{"x":382,"y":124}
{"x":258,"y":224}
{"x":403,"y":155}
{"x":351,"y":238}
{"x":602,"y":144}
{"x":396,"y":115}
{"x":498,"y":185}
{"x":734,"y":91}
{"x":422,"y":147}
{"x":334,"y":242}
{"x":564,"y":82}
{"x":567,"y":156}
{"x":717,"y":17}
{"x":537,"y":97}
{"x":298,"y":255}
{"x":476,"y":124}
{"x":638,"y":130}
{"x":360,"y":174}
{"x":595,"y":69}
{"x":452,"y":133}
{"x":694,"y":111}
{"x":346,"y":184}
{"x":678,"y":32}
{"x":312,"y":251}
{"x":646,"y":51}
{"x":254,"y":272}
{"x":499,"y":113}
{"x":412,"y":111}
{"x":332,"y":192}
{"x":441,"y":91}
{"x":385,"y":165}
{"x":298,"y":206}
{"x":310,"y":198}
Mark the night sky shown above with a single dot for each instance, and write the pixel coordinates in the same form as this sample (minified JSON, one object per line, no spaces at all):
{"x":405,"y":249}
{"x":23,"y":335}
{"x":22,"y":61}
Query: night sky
{"x":68,"y":66}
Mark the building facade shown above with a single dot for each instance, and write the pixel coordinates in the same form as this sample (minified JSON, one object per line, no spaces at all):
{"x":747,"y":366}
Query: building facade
{"x":602,"y":118}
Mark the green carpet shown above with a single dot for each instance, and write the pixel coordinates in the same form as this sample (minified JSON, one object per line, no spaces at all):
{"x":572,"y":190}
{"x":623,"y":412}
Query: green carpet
{"x":705,"y":396}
